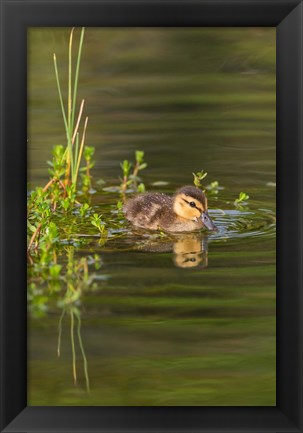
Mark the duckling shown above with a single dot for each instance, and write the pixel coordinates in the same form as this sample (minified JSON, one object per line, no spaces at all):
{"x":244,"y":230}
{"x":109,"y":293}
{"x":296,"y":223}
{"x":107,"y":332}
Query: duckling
{"x":185,"y":211}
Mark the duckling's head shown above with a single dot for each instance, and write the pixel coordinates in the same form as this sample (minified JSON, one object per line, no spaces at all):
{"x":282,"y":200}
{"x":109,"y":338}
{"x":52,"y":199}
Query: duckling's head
{"x":190,"y":203}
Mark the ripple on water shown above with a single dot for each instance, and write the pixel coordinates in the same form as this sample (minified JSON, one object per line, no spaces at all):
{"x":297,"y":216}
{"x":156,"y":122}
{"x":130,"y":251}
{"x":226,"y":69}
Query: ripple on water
{"x":190,"y":250}
{"x":241,"y":224}
{"x":231,"y":224}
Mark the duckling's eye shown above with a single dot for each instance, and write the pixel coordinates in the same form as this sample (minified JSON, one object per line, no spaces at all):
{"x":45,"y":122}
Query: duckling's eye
{"x":192,"y":204}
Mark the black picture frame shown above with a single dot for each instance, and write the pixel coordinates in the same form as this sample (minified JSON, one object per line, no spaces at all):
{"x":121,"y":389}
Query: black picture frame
{"x":16,"y":17}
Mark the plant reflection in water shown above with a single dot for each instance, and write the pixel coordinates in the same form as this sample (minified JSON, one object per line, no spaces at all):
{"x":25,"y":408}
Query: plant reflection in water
{"x":67,"y":286}
{"x":72,"y":281}
{"x":77,"y":280}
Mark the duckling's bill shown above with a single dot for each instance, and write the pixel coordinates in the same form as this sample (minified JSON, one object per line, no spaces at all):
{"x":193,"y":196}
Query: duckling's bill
{"x":207,"y":221}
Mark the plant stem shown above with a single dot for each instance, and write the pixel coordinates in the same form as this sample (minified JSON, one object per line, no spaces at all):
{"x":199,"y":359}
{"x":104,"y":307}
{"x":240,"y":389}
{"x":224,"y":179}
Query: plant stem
{"x":60,"y":96}
{"x":69,"y":111}
{"x":49,"y":184}
{"x":77,"y":75}
{"x":78,"y":121}
{"x":35,"y":234}
{"x":81,"y":150}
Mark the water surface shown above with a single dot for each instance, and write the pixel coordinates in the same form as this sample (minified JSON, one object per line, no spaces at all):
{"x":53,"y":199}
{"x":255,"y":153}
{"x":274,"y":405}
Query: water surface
{"x":184,"y":319}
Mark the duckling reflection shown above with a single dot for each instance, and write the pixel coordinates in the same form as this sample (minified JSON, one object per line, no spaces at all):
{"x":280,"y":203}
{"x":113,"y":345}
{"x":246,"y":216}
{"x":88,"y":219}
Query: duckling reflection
{"x":190,"y":250}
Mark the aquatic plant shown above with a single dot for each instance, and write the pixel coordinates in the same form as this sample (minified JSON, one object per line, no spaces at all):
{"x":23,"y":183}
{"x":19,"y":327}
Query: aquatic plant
{"x":53,"y":212}
{"x":59,"y":196}
{"x":213,"y":188}
{"x":132,"y":180}
{"x":97,"y":222}
{"x":242,"y":199}
{"x":198,"y":177}
{"x":86,"y":170}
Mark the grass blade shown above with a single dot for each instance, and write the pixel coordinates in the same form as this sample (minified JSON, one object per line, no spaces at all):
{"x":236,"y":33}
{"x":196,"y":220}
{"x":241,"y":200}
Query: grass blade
{"x":76,"y":152}
{"x":70,"y":81}
{"x":77,"y":76}
{"x":78,"y":121}
{"x":60,"y":96}
{"x":81,"y":148}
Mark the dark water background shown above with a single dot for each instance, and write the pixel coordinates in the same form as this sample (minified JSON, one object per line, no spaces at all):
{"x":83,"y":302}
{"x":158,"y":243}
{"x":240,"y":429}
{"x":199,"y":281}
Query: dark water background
{"x":188,"y":320}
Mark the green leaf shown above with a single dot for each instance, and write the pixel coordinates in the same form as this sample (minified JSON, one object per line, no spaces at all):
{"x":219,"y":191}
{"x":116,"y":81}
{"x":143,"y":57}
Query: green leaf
{"x":54,"y":270}
{"x":142,"y":166}
{"x":141,"y":187}
{"x":139,"y":156}
{"x":31,"y":227}
{"x":88,"y":152}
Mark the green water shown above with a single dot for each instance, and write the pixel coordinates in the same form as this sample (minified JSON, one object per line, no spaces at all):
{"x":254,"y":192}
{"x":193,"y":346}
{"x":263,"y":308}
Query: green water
{"x":185,"y":319}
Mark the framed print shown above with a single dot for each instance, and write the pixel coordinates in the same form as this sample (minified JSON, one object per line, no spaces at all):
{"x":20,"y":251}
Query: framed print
{"x":151,"y":216}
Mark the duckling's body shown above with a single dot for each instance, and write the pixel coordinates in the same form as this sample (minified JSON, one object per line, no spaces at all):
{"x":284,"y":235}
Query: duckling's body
{"x":185,"y":211}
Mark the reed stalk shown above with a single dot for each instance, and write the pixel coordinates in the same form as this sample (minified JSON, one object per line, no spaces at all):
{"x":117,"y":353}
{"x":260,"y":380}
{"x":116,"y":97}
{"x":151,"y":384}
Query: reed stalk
{"x":72,"y":154}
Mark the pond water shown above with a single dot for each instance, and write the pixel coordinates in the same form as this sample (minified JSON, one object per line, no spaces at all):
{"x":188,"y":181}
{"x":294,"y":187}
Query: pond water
{"x":184,"y":319}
